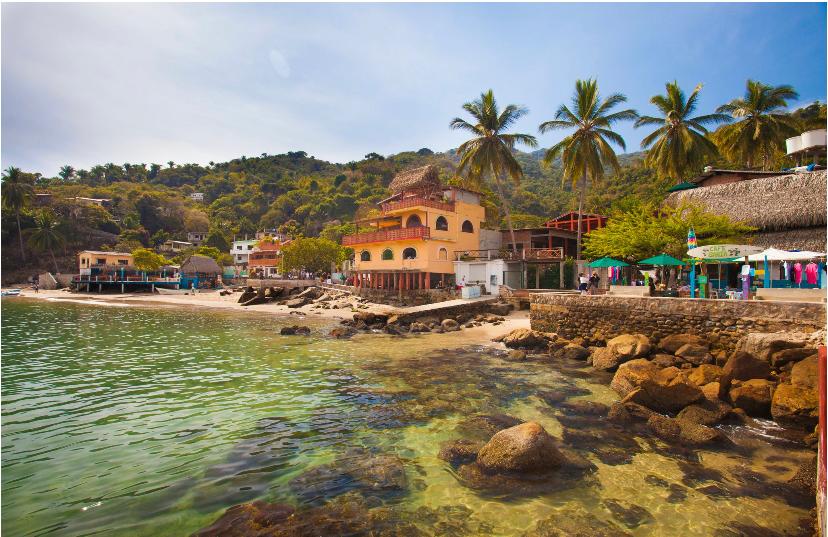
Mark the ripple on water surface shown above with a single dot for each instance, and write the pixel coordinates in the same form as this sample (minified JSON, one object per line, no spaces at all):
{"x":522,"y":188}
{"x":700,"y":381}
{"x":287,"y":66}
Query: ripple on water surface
{"x":138,"y":421}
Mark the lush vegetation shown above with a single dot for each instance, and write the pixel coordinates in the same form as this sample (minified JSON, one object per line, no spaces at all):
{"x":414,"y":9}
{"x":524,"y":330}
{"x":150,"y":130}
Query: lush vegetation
{"x":45,"y":221}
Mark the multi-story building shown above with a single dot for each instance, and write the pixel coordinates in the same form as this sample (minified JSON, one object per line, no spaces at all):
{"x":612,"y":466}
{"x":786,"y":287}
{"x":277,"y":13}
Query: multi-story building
{"x":172,"y":246}
{"x":412,"y":243}
{"x":241,"y":249}
{"x":197,"y":196}
{"x":264,"y":259}
{"x":91,"y":262}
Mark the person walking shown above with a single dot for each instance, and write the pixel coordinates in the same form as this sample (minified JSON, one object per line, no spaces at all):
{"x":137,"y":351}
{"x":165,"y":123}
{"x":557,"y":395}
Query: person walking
{"x":583,"y":283}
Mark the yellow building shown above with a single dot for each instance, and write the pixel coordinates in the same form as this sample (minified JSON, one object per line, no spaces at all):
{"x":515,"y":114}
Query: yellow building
{"x":412,"y":242}
{"x":91,"y":261}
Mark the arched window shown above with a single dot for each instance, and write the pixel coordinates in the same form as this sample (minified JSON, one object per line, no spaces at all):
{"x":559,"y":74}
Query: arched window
{"x":413,"y":221}
{"x":365,"y":256}
{"x":442,"y":254}
{"x":441,"y":224}
{"x":387,"y":254}
{"x":467,"y":227}
{"x":409,"y":253}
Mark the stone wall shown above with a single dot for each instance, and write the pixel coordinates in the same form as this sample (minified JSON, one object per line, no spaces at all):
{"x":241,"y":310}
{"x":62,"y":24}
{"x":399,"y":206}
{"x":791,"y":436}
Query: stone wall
{"x":722,"y":322}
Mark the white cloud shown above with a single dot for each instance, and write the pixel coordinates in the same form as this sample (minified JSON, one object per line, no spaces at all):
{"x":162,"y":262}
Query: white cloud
{"x":279,"y":63}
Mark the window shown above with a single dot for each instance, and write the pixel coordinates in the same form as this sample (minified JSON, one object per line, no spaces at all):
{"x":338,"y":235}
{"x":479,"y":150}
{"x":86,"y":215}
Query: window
{"x":467,"y":227}
{"x":123,"y":262}
{"x":84,"y":261}
{"x":249,"y":246}
{"x":442,"y":254}
{"x":239,"y":247}
{"x":441,"y":224}
{"x":409,"y":253}
{"x":101,"y":261}
{"x":387,"y":254}
{"x":413,"y":221}
{"x":365,"y":256}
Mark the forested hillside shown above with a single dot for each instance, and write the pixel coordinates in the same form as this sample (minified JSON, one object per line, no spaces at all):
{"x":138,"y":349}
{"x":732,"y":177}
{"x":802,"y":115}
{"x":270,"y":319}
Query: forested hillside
{"x":295,"y":192}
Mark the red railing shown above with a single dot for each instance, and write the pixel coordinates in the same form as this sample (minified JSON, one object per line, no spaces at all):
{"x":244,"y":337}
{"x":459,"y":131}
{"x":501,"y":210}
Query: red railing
{"x":527,"y":254}
{"x":420,"y":232}
{"x":417,"y":202}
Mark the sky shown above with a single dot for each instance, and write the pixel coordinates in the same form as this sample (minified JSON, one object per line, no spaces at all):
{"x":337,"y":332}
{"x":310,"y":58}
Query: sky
{"x":86,"y":84}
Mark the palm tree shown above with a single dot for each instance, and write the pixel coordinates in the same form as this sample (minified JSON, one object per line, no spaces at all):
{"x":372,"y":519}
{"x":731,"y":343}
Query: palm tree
{"x":46,"y":234}
{"x":679,"y":146}
{"x":18,"y":194}
{"x":170,"y":163}
{"x":66,"y":172}
{"x":762,"y":127}
{"x":490,"y":151}
{"x":587,"y":151}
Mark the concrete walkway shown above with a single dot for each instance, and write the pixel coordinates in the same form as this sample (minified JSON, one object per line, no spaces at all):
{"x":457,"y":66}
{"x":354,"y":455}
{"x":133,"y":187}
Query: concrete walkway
{"x":458,"y":303}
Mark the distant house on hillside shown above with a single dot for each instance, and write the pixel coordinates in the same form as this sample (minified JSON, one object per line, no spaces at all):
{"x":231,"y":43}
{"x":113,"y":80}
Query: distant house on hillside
{"x":197,"y":196}
{"x":197,"y":237}
{"x":175,"y":246}
{"x":788,"y":210}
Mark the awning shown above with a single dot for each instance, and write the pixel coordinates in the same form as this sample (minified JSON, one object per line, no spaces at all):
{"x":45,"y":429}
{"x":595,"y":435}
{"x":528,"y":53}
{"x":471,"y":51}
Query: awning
{"x":605,"y":262}
{"x":774,"y":254}
{"x":662,"y":260}
{"x":682,"y":186}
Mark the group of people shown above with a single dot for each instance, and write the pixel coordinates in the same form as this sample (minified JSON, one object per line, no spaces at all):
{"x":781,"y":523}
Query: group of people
{"x":588,"y":285}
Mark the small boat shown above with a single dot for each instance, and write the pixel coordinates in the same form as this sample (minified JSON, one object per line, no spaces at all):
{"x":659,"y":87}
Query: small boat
{"x":10,"y":292}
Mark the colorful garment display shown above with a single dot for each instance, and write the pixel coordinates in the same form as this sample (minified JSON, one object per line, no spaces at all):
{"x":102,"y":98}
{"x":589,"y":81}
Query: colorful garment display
{"x":811,"y":272}
{"x":797,"y":273}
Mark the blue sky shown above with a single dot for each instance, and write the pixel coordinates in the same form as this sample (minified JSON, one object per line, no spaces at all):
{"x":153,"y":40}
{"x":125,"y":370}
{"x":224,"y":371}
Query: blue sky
{"x":96,"y":83}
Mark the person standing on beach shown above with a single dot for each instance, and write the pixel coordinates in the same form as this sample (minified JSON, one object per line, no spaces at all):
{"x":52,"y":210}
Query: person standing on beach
{"x":583,"y":283}
{"x":594,"y":280}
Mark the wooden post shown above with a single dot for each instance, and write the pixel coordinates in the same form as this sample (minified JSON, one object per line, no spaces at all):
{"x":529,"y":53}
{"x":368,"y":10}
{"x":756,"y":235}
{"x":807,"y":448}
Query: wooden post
{"x":428,"y":280}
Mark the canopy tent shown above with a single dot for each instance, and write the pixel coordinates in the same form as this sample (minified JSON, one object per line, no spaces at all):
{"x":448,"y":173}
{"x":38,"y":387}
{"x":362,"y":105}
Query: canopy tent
{"x":662,"y":260}
{"x":605,"y":262}
{"x":774,"y":254}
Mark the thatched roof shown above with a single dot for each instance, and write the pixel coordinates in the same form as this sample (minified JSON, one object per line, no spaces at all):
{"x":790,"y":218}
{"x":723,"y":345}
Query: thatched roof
{"x":812,"y":239}
{"x":426,"y":177}
{"x":200,"y":264}
{"x":779,"y":203}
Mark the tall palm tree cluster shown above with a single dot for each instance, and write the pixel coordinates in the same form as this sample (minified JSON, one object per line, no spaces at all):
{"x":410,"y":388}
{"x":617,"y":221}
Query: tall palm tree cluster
{"x":755,"y":128}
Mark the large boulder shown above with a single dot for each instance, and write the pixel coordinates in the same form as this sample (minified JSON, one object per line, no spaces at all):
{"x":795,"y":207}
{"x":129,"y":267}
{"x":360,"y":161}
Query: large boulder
{"x":525,"y":338}
{"x":247,"y":519}
{"x":294,"y":330}
{"x":672,"y":343}
{"x":666,"y":360}
{"x":705,"y":412}
{"x":572,"y":351}
{"x":764,"y":345}
{"x":796,"y":404}
{"x":694,"y":354}
{"x":620,"y":349}
{"x":705,"y":374}
{"x":667,"y":391}
{"x":459,"y":452}
{"x":419,"y":327}
{"x":780,"y":358}
{"x":520,"y":449}
{"x":745,"y":366}
{"x":296,"y":302}
{"x":682,"y":431}
{"x":753,"y":396}
{"x":449,"y":325}
{"x":631,"y":374}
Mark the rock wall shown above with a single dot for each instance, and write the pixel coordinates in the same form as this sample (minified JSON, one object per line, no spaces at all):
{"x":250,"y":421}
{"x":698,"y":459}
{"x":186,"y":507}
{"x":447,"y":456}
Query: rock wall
{"x":722,"y":322}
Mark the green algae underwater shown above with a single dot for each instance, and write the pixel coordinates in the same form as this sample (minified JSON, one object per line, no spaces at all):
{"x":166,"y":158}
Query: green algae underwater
{"x":153,"y":421}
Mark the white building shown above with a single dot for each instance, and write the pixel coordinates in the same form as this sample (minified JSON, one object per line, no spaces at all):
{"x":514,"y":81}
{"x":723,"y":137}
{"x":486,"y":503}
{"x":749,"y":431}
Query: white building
{"x":175,"y":246}
{"x":197,"y":196}
{"x":240,"y":250}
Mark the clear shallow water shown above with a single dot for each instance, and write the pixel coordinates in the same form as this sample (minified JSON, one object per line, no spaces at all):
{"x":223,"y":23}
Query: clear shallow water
{"x":139,"y":421}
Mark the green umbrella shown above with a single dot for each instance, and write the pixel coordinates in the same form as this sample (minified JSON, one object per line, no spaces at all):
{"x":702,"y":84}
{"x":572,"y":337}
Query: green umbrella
{"x":682,"y":186}
{"x":661,"y":260}
{"x":605,"y":262}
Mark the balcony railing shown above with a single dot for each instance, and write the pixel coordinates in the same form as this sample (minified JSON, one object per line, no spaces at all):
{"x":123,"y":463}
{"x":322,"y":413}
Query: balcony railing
{"x":417,"y":201}
{"x":420,"y":232}
{"x":528,"y":254}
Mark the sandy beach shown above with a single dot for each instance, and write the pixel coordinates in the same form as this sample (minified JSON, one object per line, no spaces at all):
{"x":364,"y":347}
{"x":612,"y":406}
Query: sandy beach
{"x":482,"y":334}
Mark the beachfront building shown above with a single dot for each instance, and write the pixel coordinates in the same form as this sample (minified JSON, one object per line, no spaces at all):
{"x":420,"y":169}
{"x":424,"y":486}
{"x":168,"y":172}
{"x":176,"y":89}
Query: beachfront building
{"x":199,"y":272}
{"x":93,"y":262}
{"x":411,"y":244}
{"x":240,"y":250}
{"x":265,"y":257}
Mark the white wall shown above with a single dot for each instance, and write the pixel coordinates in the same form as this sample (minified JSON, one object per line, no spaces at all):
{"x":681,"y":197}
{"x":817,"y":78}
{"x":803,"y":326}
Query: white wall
{"x":490,"y":273}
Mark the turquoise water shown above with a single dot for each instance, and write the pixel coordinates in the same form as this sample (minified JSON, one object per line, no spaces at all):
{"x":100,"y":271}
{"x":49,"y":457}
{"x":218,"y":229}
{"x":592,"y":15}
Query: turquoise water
{"x":153,"y":421}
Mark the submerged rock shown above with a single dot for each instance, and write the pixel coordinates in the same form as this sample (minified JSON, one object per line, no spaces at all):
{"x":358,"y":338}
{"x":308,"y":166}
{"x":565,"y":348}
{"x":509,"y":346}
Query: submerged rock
{"x":342,"y":332}
{"x":524,"y":448}
{"x":705,"y":412}
{"x":294,"y":330}
{"x":575,"y":522}
{"x":247,"y":519}
{"x":525,"y":338}
{"x":629,"y":514}
{"x":484,"y":426}
{"x":457,"y":452}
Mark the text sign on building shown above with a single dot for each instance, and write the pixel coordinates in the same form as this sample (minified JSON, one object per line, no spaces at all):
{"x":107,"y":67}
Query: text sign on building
{"x":723,"y":251}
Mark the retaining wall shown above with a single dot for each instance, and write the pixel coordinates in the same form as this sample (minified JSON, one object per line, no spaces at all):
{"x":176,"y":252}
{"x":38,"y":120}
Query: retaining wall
{"x":722,"y":322}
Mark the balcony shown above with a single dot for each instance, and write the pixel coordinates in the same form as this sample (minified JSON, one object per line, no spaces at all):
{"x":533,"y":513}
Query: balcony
{"x":399,"y":234}
{"x":417,"y":201}
{"x":528,"y":254}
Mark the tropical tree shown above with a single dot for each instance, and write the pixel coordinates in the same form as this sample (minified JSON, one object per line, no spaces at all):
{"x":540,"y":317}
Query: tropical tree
{"x":490,"y":152}
{"x":47,"y":234}
{"x":315,"y":255}
{"x":588,"y":151}
{"x":66,"y":172}
{"x":679,"y":146}
{"x":170,"y":163}
{"x":761,"y":126}
{"x":18,"y":193}
{"x":147,"y":260}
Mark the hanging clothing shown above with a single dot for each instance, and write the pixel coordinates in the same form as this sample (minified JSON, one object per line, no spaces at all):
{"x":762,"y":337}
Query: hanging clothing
{"x":797,"y":273}
{"x":811,"y":271}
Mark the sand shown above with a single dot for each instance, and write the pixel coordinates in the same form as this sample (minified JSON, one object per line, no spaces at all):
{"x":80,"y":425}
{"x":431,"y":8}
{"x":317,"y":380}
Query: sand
{"x":230,"y":303}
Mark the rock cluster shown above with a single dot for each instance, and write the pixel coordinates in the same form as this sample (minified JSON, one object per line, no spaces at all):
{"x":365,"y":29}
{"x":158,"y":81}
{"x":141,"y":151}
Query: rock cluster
{"x":437,"y":322}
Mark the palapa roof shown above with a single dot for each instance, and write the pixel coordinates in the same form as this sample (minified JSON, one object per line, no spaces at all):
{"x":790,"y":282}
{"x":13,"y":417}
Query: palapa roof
{"x":804,"y":238}
{"x":425,"y":177}
{"x":200,"y":263}
{"x":785,"y":202}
